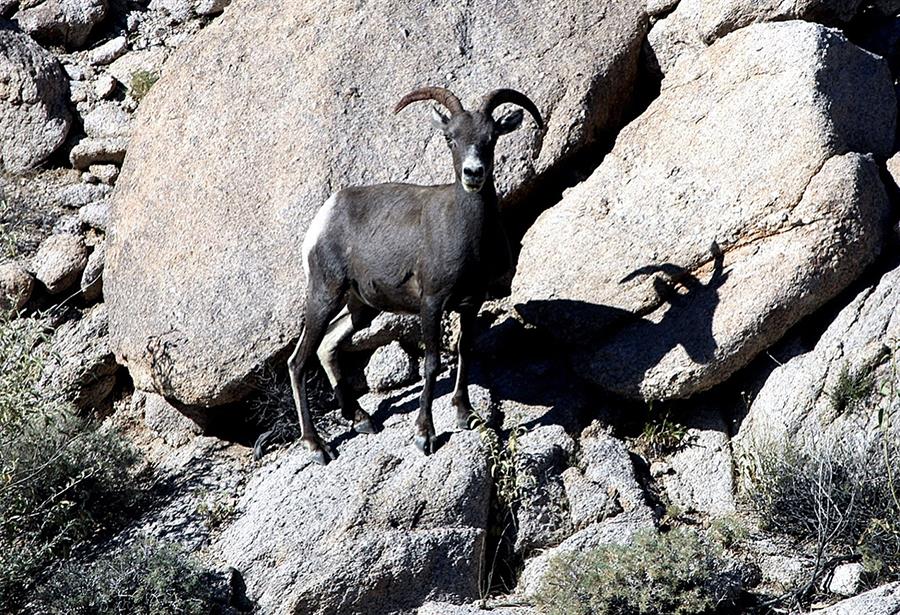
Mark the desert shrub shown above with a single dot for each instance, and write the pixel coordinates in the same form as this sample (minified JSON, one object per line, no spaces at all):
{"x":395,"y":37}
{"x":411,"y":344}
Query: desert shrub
{"x":852,"y":388}
{"x":141,"y":82}
{"x":673,"y":573}
{"x":148,"y":577}
{"x":61,"y":481}
{"x":837,"y":499}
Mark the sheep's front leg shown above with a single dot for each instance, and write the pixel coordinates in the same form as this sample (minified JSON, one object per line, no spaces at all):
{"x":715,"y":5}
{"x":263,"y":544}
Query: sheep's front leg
{"x":463,"y":349}
{"x":431,"y":335}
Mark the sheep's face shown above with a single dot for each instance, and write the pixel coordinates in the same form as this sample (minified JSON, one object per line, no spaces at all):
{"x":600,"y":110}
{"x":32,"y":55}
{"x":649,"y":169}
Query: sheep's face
{"x":471,"y":137}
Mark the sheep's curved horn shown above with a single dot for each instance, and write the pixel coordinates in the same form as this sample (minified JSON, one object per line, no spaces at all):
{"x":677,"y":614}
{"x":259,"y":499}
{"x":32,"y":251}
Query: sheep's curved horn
{"x":441,"y":95}
{"x":494,"y":99}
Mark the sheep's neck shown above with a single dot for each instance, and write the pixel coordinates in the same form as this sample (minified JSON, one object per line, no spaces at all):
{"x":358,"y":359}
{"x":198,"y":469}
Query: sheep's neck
{"x":486,"y":197}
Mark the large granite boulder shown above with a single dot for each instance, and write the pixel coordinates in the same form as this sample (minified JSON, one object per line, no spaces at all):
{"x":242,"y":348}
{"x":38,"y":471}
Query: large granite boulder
{"x":745,"y":197}
{"x":695,"y":24}
{"x":802,"y":400}
{"x":34,"y":116}
{"x":278,"y":105}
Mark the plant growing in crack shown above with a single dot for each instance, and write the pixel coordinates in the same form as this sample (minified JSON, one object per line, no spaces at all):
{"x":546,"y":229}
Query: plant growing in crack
{"x":511,"y":484}
{"x":661,"y":435}
{"x":852,"y":388}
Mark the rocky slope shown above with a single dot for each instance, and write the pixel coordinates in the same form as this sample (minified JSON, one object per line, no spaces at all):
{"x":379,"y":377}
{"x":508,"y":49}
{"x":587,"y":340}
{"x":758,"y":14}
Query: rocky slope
{"x":722,"y":278}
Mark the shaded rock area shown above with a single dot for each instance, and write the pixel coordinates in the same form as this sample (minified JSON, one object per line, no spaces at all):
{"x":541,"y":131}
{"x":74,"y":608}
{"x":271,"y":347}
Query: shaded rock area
{"x":390,"y":367}
{"x":724,"y":214}
{"x":224,"y":238}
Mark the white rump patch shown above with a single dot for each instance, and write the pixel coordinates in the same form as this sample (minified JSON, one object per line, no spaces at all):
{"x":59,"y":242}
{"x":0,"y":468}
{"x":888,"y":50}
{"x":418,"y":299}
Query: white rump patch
{"x":315,"y":230}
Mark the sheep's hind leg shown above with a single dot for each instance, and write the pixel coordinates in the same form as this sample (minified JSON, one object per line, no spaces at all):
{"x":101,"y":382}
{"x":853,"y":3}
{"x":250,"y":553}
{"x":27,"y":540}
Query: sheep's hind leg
{"x":463,"y":348}
{"x":352,"y":318}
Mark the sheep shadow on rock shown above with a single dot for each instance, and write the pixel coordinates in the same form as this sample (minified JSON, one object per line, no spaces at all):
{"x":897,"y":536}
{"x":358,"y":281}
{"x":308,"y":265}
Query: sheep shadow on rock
{"x":626,"y":345}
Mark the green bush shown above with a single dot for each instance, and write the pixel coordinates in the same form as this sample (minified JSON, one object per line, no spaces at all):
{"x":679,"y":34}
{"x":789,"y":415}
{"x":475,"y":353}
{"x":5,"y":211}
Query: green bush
{"x":675,"y":573}
{"x":145,"y":578}
{"x":141,"y":82}
{"x":61,"y":481}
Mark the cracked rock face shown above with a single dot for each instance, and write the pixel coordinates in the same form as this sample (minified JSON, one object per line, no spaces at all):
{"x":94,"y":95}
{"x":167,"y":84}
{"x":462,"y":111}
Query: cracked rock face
{"x":224,"y":239}
{"x":34,"y":117}
{"x":796,"y":405}
{"x":739,"y":202}
{"x":380,"y":529}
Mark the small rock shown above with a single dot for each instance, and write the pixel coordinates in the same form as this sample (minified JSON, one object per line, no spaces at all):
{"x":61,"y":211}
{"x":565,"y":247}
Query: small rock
{"x":78,"y":91}
{"x":89,"y":178}
{"x":884,"y":600}
{"x":80,"y":365}
{"x":390,"y":367}
{"x":78,"y":195}
{"x":66,"y":22}
{"x":701,"y":474}
{"x":67,"y":224}
{"x":659,"y":468}
{"x":106,"y":173}
{"x":59,"y":261}
{"x":387,"y":328}
{"x":105,"y":86}
{"x":75,"y":72}
{"x":893,"y":168}
{"x":92,"y":277}
{"x":16,"y":286}
{"x":159,"y":415}
{"x":210,"y":7}
{"x":846,"y":579}
{"x":109,"y":51}
{"x":93,"y":151}
{"x":107,"y":120}
{"x":95,"y":215}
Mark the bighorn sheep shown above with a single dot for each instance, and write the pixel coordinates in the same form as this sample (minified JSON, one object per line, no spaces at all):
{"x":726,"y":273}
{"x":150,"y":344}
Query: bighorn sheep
{"x":409,"y":249}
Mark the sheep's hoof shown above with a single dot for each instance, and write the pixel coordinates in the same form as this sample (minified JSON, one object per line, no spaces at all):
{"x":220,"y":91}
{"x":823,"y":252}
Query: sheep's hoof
{"x":365,"y":426}
{"x":321,"y":452}
{"x":462,"y":419}
{"x":425,"y":442}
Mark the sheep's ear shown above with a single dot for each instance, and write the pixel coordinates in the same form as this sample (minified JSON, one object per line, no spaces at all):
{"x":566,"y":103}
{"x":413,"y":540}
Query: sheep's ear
{"x":438,"y":119}
{"x":509,"y":122}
